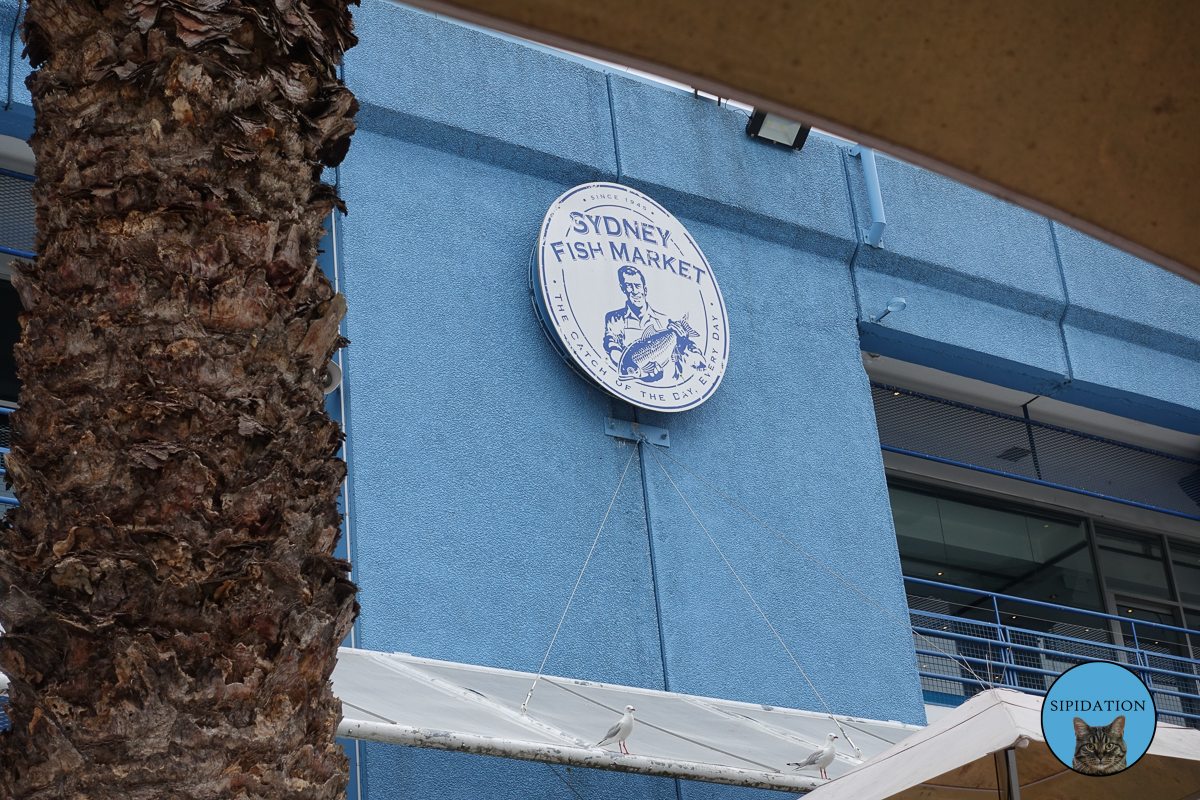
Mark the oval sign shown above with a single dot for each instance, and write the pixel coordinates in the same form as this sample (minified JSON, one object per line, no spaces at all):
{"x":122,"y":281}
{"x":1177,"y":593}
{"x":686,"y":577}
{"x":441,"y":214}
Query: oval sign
{"x":628,"y":299}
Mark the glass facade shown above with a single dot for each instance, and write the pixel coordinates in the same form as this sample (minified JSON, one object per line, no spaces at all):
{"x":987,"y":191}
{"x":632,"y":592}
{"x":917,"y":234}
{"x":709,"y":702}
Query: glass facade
{"x":1185,"y":558}
{"x":992,"y":564}
{"x":10,"y":334}
{"x":977,"y":543}
{"x":1133,"y":564}
{"x":1008,"y":551}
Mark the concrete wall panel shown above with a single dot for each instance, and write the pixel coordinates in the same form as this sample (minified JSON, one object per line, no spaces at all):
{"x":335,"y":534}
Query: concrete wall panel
{"x":481,"y":470}
{"x":1131,"y":334}
{"x":480,"y":96}
{"x":791,"y":436}
{"x":697,"y":160}
{"x":978,"y":274}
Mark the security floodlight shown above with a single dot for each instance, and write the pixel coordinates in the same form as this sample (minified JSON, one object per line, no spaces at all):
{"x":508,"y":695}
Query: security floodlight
{"x":777,"y":129}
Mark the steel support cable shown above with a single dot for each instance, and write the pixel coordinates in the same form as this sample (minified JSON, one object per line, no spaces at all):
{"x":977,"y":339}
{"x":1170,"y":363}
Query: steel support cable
{"x":580,"y":578}
{"x":757,"y":607}
{"x":907,"y":625}
{"x":564,"y":780}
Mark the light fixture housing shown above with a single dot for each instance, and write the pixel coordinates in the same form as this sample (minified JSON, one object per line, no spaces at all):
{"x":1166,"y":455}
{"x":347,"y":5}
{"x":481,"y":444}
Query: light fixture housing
{"x":333,"y":378}
{"x":777,"y":130}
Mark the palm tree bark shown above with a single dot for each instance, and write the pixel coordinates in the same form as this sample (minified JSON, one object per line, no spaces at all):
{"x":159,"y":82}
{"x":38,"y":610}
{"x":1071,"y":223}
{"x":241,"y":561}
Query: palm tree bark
{"x":171,"y":601}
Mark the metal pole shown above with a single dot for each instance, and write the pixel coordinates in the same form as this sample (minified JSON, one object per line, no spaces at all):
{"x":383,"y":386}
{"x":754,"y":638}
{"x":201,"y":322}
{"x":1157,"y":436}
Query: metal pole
{"x":1010,"y":761}
{"x":593,"y":758}
{"x":1005,"y":652}
{"x":1139,"y":656}
{"x":1037,"y":467}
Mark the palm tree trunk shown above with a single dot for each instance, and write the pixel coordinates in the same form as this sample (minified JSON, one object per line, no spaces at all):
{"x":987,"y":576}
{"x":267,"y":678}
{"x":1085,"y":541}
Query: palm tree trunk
{"x":171,"y":601}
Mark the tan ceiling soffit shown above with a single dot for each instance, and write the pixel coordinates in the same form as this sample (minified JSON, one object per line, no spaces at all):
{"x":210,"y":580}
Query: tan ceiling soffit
{"x":1085,"y":111}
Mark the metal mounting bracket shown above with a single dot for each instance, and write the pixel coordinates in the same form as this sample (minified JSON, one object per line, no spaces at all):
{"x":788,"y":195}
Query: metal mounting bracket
{"x":622,"y":429}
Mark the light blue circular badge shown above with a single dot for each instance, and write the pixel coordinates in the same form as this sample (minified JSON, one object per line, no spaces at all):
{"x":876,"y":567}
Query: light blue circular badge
{"x":1098,"y":718}
{"x":628,"y":299}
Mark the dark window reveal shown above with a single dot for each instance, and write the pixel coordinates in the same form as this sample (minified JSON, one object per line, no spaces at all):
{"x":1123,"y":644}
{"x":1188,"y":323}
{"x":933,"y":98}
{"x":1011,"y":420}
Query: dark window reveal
{"x":1008,"y":551}
{"x":10,"y":334}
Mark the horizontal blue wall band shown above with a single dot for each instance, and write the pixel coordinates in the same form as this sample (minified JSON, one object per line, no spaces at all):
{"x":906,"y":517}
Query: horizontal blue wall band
{"x":1098,"y":496}
{"x":887,"y":341}
{"x":17,"y":122}
{"x":477,"y":146}
{"x":1022,"y":377}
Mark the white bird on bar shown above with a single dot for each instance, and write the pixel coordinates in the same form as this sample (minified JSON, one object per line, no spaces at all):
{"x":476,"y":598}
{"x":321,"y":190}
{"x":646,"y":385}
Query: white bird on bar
{"x":620,"y":732}
{"x":820,"y":759}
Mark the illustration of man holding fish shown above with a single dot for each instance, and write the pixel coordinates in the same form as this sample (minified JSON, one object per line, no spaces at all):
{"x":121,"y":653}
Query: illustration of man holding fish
{"x":642,"y":342}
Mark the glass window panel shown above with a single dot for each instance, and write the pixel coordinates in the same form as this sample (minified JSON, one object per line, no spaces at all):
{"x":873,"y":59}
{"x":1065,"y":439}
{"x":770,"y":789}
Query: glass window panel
{"x":918,"y":534}
{"x":1150,"y":638}
{"x":992,"y":544}
{"x":1186,"y":558}
{"x":1067,"y":578}
{"x":10,"y":334}
{"x":995,"y":550}
{"x":1133,"y":564}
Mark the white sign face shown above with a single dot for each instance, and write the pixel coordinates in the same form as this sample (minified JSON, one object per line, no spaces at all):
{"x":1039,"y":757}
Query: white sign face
{"x":627,"y":296}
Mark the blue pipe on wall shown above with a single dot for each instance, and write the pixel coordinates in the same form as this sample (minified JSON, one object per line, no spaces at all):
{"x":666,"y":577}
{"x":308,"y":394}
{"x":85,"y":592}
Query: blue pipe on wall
{"x":874,"y":194}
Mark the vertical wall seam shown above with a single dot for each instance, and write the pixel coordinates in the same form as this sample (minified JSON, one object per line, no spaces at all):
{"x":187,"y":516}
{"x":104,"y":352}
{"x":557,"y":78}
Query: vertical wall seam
{"x":662,"y":642}
{"x":1062,"y":277}
{"x":612,"y":117}
{"x":854,"y":232}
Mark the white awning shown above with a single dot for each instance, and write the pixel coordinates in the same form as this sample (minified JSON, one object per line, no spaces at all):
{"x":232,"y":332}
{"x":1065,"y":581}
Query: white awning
{"x":955,"y":759}
{"x":420,"y":702}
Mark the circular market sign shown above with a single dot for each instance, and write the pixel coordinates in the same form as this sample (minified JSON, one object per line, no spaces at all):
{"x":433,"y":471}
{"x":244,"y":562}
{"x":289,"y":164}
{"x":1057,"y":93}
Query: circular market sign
{"x":627,"y":297}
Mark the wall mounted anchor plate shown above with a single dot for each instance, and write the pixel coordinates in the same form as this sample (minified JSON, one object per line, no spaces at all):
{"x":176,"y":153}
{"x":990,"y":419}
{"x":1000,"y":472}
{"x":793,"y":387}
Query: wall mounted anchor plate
{"x":623,"y":429}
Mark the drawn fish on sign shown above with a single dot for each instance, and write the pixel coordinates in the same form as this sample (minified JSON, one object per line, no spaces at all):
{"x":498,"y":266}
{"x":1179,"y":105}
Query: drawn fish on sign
{"x":647,"y":358}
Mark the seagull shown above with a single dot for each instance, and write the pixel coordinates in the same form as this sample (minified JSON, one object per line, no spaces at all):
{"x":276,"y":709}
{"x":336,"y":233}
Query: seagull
{"x":620,"y":732}
{"x":820,"y":759}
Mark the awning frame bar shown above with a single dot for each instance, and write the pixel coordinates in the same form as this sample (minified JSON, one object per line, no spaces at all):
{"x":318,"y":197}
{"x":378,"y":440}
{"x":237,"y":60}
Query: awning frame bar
{"x":589,"y":758}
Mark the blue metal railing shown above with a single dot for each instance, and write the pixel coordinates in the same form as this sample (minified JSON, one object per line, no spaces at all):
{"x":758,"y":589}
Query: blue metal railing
{"x":995,"y":639}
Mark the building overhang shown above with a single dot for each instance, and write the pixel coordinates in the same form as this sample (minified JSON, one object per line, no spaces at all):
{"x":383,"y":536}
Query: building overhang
{"x":1084,"y":115}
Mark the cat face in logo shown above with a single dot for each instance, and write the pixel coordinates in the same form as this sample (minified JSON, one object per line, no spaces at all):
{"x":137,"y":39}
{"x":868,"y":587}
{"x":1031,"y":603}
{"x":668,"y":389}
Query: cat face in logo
{"x":1099,"y":749}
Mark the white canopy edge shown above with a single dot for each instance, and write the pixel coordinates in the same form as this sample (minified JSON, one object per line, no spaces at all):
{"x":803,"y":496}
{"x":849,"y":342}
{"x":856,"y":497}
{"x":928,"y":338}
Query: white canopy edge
{"x":592,"y":758}
{"x":411,"y":701}
{"x":989,"y":722}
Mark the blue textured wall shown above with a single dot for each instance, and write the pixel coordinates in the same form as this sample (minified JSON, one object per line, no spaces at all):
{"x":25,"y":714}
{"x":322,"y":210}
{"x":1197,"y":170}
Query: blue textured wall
{"x":16,"y":110}
{"x":1132,"y":334}
{"x":979,"y":275}
{"x":479,"y":469}
{"x":1000,"y":294}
